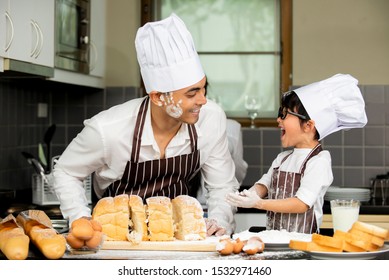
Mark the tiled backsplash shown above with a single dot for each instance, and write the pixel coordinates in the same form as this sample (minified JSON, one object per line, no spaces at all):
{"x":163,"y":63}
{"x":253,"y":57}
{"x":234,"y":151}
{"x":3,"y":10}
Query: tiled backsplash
{"x":357,"y":154}
{"x":21,"y":129}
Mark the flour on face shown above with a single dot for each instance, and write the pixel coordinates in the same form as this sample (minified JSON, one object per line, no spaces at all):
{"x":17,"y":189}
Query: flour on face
{"x":172,"y":108}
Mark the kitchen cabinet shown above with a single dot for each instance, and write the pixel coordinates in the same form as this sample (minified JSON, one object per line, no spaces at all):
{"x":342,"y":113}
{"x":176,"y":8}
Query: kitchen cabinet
{"x":27,"y":31}
{"x":97,"y":38}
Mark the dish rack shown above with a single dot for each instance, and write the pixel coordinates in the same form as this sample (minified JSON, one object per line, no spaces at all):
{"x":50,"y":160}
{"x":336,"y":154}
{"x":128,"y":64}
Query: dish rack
{"x":43,"y":192}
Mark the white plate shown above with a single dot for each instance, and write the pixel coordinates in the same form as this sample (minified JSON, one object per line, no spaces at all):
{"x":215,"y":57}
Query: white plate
{"x":361,"y":194}
{"x":348,"y":255}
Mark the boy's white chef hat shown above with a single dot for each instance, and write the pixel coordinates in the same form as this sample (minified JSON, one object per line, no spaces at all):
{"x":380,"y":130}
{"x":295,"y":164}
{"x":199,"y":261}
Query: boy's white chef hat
{"x":167,"y":56}
{"x":334,"y":104}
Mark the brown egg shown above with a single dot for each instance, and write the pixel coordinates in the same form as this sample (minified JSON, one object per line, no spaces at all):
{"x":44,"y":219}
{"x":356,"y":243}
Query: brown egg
{"x":238,"y":246}
{"x":95,"y":241}
{"x":254,"y":245}
{"x":96,"y":225}
{"x":82,"y":229}
{"x":74,"y":242}
{"x":225,"y":247}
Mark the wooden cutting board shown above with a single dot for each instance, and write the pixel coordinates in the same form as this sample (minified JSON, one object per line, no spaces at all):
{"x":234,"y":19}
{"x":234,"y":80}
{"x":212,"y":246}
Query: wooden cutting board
{"x":207,"y":245}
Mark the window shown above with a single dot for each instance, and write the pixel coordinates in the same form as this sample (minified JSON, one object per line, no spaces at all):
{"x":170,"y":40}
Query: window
{"x":242,"y":46}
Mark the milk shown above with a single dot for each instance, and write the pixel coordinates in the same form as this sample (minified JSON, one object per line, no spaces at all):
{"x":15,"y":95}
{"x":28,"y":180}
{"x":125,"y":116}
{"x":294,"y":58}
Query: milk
{"x":344,"y":214}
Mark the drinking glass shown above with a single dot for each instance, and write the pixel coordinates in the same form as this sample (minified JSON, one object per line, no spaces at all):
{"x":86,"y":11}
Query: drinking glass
{"x":344,"y":213}
{"x":252,"y":106}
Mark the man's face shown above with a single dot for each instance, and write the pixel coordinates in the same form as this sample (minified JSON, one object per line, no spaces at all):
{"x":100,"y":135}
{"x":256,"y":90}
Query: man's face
{"x":185,"y":104}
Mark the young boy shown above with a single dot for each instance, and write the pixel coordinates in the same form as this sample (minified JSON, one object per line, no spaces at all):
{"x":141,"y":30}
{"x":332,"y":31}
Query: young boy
{"x":292,"y":190}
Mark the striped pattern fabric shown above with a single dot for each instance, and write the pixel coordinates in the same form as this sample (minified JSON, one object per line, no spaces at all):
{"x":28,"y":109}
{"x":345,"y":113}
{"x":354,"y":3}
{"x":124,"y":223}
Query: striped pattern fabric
{"x":285,"y":185}
{"x":161,"y":177}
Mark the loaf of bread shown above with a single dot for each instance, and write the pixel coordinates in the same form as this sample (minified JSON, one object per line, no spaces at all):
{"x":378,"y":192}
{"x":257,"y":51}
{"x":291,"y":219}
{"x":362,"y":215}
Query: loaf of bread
{"x":160,"y":218}
{"x":14,"y":243}
{"x":188,"y":218}
{"x":362,"y":237}
{"x":127,"y":218}
{"x":371,"y":229}
{"x":113,"y":214}
{"x":311,"y":246}
{"x":346,"y":245}
{"x":138,"y":225}
{"x":327,"y":241}
{"x":35,"y":224}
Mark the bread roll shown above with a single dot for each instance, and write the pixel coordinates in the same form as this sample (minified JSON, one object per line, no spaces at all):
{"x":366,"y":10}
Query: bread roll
{"x":114,"y":216}
{"x":138,"y":231}
{"x":14,"y":243}
{"x":188,"y":218}
{"x":160,"y":218}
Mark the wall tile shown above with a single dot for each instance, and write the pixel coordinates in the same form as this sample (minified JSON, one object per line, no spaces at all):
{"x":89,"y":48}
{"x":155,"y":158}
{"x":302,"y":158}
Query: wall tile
{"x":251,"y":137}
{"x":353,"y":157}
{"x":336,"y":155}
{"x":374,"y":157}
{"x":374,"y":136}
{"x":376,"y":113}
{"x":353,"y":177}
{"x":252,"y":155}
{"x":353,"y":137}
{"x":271,"y":137}
{"x":334,"y":139}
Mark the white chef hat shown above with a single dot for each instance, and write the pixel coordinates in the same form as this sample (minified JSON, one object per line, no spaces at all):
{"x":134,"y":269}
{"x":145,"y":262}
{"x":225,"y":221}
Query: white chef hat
{"x":167,"y":56}
{"x":334,"y":104}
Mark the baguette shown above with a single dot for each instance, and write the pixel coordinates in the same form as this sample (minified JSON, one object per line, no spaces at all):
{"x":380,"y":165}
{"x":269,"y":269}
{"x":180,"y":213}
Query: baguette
{"x":14,"y":243}
{"x":51,"y":244}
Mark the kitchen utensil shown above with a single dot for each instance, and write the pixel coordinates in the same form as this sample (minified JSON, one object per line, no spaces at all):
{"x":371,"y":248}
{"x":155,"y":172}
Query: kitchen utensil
{"x":41,"y":155}
{"x":380,"y":187}
{"x":48,"y":137}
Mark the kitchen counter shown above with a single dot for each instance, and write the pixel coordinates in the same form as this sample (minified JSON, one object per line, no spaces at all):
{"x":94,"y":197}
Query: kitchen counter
{"x":373,"y":206}
{"x":175,"y":255}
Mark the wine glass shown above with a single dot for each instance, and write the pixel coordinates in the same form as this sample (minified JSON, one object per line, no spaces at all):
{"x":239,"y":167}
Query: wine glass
{"x":252,"y":106}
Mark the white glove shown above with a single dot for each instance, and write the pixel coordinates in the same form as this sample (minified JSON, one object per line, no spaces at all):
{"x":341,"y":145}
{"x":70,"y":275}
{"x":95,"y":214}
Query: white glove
{"x":244,"y":199}
{"x":214,"y":228}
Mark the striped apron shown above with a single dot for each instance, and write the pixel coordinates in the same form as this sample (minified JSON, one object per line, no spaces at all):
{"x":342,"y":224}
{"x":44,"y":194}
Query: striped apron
{"x":161,"y":177}
{"x":285,"y":185}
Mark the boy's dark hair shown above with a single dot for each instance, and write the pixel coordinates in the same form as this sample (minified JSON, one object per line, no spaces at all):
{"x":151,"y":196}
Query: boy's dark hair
{"x":291,"y":101}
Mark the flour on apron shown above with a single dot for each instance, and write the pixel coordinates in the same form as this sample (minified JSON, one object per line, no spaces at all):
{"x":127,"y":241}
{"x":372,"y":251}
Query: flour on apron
{"x":285,"y":185}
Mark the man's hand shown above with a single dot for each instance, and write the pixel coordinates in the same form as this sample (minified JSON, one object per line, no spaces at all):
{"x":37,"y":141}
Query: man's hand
{"x":213,"y":228}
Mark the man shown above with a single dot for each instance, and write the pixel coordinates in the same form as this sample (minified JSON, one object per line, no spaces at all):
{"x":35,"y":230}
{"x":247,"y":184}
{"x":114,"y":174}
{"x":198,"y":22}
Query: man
{"x":154,"y":145}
